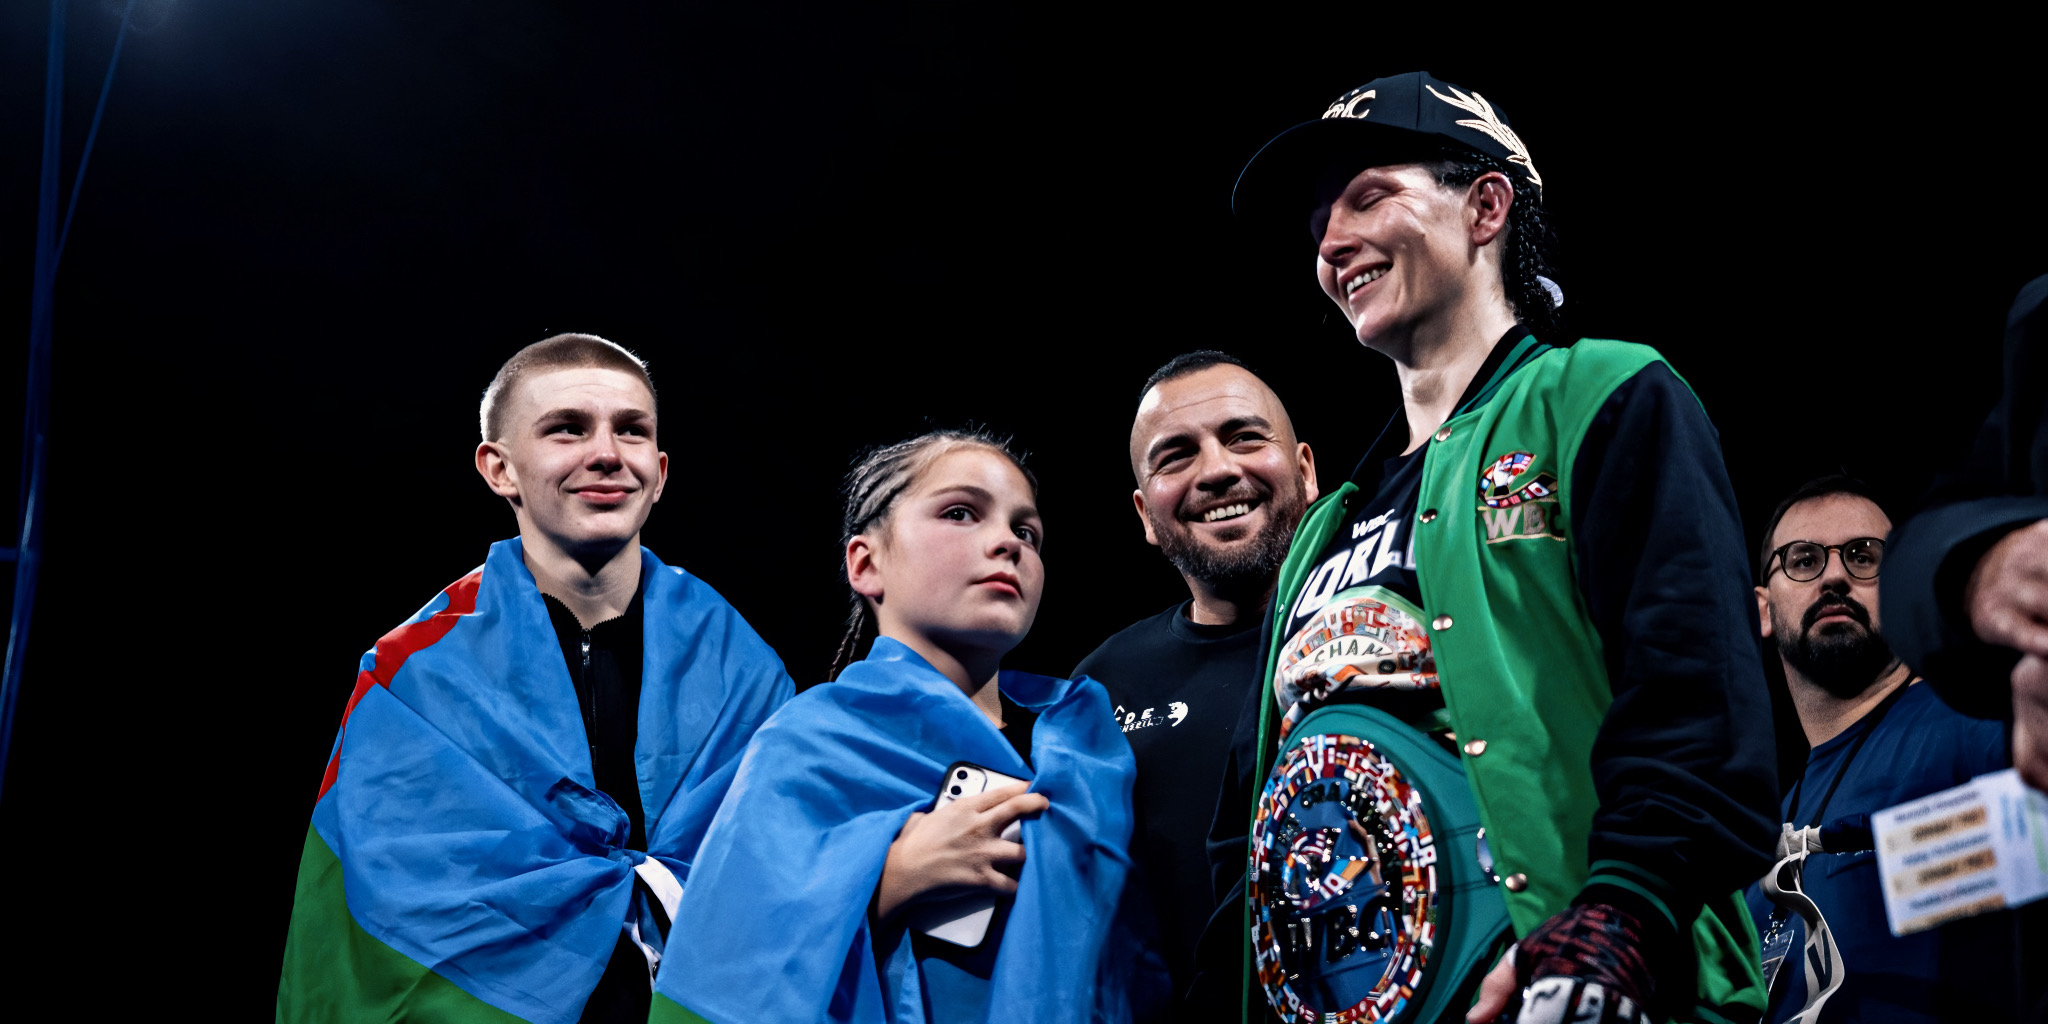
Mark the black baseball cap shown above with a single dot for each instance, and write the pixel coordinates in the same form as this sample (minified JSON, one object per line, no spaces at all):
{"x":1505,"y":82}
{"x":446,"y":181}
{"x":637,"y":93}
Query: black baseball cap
{"x":1387,"y":120}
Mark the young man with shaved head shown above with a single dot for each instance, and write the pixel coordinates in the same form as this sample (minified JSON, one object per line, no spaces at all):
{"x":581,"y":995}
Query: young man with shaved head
{"x":526,"y":766}
{"x":1222,"y":481}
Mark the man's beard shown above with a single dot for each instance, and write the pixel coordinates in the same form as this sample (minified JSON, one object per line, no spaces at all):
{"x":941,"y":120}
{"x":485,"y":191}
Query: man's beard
{"x":1244,"y":569}
{"x":1842,"y":661}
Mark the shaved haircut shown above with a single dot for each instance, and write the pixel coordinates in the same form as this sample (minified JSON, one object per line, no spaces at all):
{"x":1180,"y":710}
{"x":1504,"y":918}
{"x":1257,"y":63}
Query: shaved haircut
{"x":1187,"y":364}
{"x":561,"y":352}
{"x":1192,"y":362}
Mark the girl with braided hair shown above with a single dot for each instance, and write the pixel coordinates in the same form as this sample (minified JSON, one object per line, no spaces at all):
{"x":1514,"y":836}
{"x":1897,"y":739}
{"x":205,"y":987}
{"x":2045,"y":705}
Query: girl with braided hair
{"x":823,"y":883}
{"x":1529,"y":605}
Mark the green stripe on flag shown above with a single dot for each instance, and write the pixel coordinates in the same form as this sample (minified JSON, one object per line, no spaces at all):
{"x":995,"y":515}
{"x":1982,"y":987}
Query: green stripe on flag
{"x":668,"y":1011}
{"x":334,"y":970}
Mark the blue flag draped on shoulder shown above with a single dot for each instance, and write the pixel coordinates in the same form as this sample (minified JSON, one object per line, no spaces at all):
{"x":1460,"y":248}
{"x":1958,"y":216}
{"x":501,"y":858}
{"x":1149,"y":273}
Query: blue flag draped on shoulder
{"x":774,"y":923}
{"x":461,"y":863}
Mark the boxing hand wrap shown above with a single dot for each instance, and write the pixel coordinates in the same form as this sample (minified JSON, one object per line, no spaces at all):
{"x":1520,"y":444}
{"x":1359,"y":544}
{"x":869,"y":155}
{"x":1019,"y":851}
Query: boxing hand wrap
{"x":1585,"y":965}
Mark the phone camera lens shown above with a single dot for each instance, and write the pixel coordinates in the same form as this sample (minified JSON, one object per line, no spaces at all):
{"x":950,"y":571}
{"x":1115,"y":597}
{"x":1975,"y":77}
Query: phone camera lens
{"x":956,"y":791}
{"x":961,"y":774}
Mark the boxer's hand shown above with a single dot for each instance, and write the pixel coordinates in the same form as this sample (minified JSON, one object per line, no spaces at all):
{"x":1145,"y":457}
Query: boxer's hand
{"x":1585,"y":964}
{"x":1496,"y":992}
{"x":2007,"y":595}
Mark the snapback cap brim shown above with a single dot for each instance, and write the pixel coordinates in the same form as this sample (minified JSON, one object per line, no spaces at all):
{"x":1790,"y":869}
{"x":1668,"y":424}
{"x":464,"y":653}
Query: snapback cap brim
{"x":1278,"y":185}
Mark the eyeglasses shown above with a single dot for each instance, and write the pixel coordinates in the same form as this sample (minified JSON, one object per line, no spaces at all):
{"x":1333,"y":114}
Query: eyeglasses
{"x":1804,"y":561}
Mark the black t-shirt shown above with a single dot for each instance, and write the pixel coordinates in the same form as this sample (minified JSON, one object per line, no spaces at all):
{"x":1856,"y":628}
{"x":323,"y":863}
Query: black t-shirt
{"x":1177,"y":688}
{"x":1016,"y":727}
{"x":1355,"y":628}
{"x":604,"y":663}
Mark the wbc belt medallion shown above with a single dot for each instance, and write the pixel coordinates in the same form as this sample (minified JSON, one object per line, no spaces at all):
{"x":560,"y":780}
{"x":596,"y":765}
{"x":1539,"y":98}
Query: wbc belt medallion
{"x":1343,"y":884}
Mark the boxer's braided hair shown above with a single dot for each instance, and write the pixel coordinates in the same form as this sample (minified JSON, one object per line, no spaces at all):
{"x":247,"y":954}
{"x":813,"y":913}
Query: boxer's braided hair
{"x":880,"y":476}
{"x":1528,"y":249}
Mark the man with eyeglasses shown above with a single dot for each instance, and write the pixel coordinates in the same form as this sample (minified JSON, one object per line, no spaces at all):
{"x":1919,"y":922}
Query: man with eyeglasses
{"x":1877,"y":739}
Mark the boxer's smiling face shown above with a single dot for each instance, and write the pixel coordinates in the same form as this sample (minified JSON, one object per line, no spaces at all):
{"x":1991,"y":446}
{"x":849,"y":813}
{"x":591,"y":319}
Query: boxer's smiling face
{"x":1393,"y":250}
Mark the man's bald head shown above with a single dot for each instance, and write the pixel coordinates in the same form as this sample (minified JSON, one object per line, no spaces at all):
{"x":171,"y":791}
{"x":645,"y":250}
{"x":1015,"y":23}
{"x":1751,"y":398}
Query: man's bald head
{"x":1222,"y":480}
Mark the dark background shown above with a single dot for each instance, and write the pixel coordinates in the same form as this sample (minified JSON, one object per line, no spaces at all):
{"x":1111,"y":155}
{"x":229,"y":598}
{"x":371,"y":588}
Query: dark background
{"x":313,"y":228}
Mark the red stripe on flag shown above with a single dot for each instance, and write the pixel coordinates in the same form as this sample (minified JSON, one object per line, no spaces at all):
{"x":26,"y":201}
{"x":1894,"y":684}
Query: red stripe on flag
{"x":402,"y":643}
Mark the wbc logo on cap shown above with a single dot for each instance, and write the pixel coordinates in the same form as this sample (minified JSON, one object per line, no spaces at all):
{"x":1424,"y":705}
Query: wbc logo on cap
{"x":1356,"y":103}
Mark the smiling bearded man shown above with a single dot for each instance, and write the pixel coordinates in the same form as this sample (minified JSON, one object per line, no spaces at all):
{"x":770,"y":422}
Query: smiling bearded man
{"x":1222,"y":481}
{"x":1238,"y":558}
{"x":527,"y":765}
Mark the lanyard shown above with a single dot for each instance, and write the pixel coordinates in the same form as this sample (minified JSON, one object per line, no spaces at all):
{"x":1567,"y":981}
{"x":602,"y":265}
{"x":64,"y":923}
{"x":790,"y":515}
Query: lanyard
{"x":1854,"y":749}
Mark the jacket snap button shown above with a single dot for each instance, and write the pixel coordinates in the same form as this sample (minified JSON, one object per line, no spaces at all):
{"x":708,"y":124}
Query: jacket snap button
{"x":1516,"y":882}
{"x":1441,"y":622}
{"x":1474,"y":748}
{"x":1444,"y":434}
{"x":1429,"y":515}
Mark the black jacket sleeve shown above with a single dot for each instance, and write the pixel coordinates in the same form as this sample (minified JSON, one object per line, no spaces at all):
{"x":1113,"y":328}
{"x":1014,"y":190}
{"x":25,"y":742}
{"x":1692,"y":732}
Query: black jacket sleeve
{"x":1685,"y":763}
{"x":1999,"y":489}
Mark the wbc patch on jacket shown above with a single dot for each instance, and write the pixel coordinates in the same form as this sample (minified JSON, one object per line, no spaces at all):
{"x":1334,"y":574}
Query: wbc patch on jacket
{"x":1515,"y":504}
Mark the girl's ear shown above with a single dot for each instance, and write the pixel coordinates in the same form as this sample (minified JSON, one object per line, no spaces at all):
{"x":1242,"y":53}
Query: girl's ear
{"x":863,"y":569}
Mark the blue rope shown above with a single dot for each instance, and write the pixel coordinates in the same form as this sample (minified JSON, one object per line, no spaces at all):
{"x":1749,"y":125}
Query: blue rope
{"x":93,"y":133}
{"x":35,"y":432}
{"x":29,"y":554}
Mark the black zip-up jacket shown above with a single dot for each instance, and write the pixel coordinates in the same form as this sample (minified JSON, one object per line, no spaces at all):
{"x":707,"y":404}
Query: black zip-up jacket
{"x":605,"y":663}
{"x":2002,"y":486}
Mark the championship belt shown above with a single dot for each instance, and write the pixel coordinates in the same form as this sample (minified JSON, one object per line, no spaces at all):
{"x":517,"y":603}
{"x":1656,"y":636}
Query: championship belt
{"x":1371,"y":890}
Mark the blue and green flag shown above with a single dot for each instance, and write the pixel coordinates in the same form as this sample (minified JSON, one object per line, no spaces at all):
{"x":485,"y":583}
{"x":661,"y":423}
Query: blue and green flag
{"x":461,"y":865}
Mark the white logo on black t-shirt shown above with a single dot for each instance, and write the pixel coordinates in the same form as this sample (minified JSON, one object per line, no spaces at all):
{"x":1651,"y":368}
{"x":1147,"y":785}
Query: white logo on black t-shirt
{"x":1127,"y":720}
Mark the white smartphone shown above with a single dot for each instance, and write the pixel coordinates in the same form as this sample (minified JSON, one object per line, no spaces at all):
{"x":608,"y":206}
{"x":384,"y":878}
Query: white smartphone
{"x":963,"y":920}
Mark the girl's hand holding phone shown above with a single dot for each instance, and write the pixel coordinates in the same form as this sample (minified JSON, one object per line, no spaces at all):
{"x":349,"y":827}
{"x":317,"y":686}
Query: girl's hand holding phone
{"x":956,"y":848}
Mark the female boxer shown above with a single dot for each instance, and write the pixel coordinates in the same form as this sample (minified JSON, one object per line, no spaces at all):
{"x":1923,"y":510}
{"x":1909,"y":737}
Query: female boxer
{"x":1539,"y":565}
